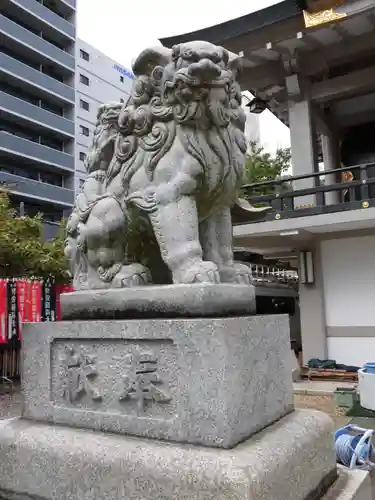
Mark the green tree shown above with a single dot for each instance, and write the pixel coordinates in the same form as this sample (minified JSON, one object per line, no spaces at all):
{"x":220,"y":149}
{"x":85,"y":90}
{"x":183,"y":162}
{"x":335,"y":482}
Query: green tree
{"x":261,"y":166}
{"x":23,"y":252}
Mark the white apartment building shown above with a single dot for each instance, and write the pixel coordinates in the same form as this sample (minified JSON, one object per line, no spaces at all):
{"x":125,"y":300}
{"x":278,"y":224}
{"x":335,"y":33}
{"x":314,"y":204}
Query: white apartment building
{"x":99,"y":80}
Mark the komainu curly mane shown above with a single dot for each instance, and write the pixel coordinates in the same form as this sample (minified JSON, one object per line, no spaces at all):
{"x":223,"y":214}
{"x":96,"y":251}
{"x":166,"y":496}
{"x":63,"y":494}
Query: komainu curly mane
{"x":167,"y":103}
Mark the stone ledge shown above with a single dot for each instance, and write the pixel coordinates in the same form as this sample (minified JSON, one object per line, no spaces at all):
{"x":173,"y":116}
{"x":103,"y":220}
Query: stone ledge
{"x":350,"y":485}
{"x":169,"y":301}
{"x":289,"y":460}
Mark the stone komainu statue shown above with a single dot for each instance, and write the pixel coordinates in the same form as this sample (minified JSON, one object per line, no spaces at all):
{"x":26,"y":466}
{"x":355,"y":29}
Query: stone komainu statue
{"x":164,"y":168}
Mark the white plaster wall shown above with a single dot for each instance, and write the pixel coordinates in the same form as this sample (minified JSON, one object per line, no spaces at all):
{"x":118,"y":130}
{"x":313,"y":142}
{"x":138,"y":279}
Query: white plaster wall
{"x":351,"y":350}
{"x":349,"y":281}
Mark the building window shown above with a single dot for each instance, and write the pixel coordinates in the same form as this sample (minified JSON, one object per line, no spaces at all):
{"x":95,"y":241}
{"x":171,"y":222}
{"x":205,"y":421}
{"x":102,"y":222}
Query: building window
{"x":121,"y":79}
{"x":83,"y":79}
{"x":82,"y":156}
{"x":84,"y":105}
{"x":84,"y":130}
{"x":81,"y":183}
{"x":84,"y":55}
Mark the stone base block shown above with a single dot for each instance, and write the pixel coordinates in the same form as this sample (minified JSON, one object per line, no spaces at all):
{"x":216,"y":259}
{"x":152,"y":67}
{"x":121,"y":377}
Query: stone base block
{"x":291,"y":460}
{"x":351,"y":485}
{"x":210,"y":381}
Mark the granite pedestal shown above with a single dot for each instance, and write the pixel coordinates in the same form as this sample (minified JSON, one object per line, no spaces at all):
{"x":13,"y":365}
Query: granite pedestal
{"x":292,"y":459}
{"x":163,"y":409}
{"x":209,"y":381}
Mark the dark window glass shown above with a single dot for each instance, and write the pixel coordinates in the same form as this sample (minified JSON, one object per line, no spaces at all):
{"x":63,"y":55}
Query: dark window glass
{"x":84,"y":130}
{"x":83,"y":79}
{"x":84,"y":105}
{"x":84,"y":55}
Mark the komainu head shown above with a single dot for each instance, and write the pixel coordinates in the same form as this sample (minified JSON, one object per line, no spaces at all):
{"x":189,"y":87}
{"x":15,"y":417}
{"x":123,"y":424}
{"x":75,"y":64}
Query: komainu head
{"x":195,"y":82}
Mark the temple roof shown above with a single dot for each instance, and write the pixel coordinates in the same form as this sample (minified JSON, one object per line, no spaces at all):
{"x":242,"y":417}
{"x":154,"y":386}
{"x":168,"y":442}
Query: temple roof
{"x":287,"y":53}
{"x":234,"y":28}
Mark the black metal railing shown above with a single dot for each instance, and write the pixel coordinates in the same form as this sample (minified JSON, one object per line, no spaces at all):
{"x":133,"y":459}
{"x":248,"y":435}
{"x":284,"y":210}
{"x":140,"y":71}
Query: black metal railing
{"x":347,"y":188}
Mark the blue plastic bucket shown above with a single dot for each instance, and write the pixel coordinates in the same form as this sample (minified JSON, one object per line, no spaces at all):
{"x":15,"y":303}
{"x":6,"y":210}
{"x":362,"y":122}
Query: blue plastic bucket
{"x":369,"y":367}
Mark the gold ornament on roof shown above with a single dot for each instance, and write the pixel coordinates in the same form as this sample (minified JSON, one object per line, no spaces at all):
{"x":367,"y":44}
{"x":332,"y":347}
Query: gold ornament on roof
{"x":315,"y":18}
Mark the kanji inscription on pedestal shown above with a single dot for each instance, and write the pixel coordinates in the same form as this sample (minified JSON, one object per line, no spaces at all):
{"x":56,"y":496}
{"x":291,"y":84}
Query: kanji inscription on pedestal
{"x":142,"y":383}
{"x":81,"y":370}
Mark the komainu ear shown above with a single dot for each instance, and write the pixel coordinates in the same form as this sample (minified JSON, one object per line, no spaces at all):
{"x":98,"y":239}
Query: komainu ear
{"x":235,"y":62}
{"x":224,"y":55}
{"x":151,"y":57}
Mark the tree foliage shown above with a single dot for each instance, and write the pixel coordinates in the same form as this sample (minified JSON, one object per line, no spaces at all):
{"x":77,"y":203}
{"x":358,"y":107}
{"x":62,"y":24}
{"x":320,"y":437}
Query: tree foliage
{"x":23,"y":252}
{"x":261,"y":166}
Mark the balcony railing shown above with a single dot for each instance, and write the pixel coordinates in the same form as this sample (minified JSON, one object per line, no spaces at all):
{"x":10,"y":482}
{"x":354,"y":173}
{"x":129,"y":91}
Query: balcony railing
{"x":19,"y":146}
{"x":38,"y":45}
{"x":327,"y":191}
{"x":71,"y":3}
{"x":48,"y":16}
{"x":37,"y":79}
{"x":30,"y":189}
{"x":267,"y":275}
{"x":35,"y":114}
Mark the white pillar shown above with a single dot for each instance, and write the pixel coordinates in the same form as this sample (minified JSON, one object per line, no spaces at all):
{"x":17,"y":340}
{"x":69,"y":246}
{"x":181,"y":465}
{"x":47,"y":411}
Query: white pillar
{"x":331,"y":161}
{"x":303,"y":143}
{"x":312,"y":312}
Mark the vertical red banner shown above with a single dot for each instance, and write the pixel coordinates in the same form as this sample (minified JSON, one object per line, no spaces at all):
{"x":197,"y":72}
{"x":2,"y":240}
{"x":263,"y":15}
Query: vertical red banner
{"x":13,"y":326}
{"x":58,"y":292}
{"x":59,"y":289}
{"x":3,"y":311}
{"x":35,"y":303}
{"x":23,"y":297}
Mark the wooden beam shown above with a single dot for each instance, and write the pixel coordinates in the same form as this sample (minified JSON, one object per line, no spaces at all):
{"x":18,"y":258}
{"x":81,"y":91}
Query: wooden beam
{"x":309,"y":62}
{"x":315,"y":61}
{"x":356,"y":118}
{"x":342,"y":32}
{"x":359,"y":6}
{"x":293,"y":87}
{"x":272,"y":73}
{"x":371,"y":19}
{"x":278,"y":49}
{"x":323,"y":122}
{"x":255,"y":60}
{"x":309,"y":41}
{"x":352,"y":83}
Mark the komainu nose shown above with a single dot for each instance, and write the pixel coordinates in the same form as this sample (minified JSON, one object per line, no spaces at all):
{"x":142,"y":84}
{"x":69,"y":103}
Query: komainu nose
{"x":205,"y":69}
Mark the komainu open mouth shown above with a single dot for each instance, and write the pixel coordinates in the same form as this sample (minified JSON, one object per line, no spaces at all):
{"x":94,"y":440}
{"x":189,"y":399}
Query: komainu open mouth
{"x":182,"y":79}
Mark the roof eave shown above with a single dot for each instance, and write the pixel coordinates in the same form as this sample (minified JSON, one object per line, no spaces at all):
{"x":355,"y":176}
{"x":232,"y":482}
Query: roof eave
{"x":219,"y":33}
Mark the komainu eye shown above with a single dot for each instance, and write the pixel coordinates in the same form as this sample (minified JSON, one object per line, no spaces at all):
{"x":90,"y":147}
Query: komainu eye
{"x":188,"y":54}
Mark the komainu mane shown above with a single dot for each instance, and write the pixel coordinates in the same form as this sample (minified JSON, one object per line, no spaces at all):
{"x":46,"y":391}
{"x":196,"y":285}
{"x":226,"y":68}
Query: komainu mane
{"x":164,"y":168}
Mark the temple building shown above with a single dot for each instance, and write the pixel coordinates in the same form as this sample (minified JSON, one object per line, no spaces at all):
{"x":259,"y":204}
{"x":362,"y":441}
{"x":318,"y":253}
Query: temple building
{"x":311,"y":63}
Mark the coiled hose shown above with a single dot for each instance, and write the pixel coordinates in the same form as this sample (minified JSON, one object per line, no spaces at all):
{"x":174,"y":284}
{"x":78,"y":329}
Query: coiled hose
{"x":354,"y":448}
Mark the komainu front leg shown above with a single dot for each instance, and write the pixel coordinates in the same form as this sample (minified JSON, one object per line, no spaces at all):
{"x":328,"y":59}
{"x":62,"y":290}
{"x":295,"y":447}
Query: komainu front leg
{"x":176,"y":229}
{"x":216,"y":238}
{"x":132,"y":275}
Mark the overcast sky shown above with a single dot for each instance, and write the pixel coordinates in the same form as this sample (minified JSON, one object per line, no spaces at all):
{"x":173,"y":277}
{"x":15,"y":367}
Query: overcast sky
{"x":122,"y":28}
